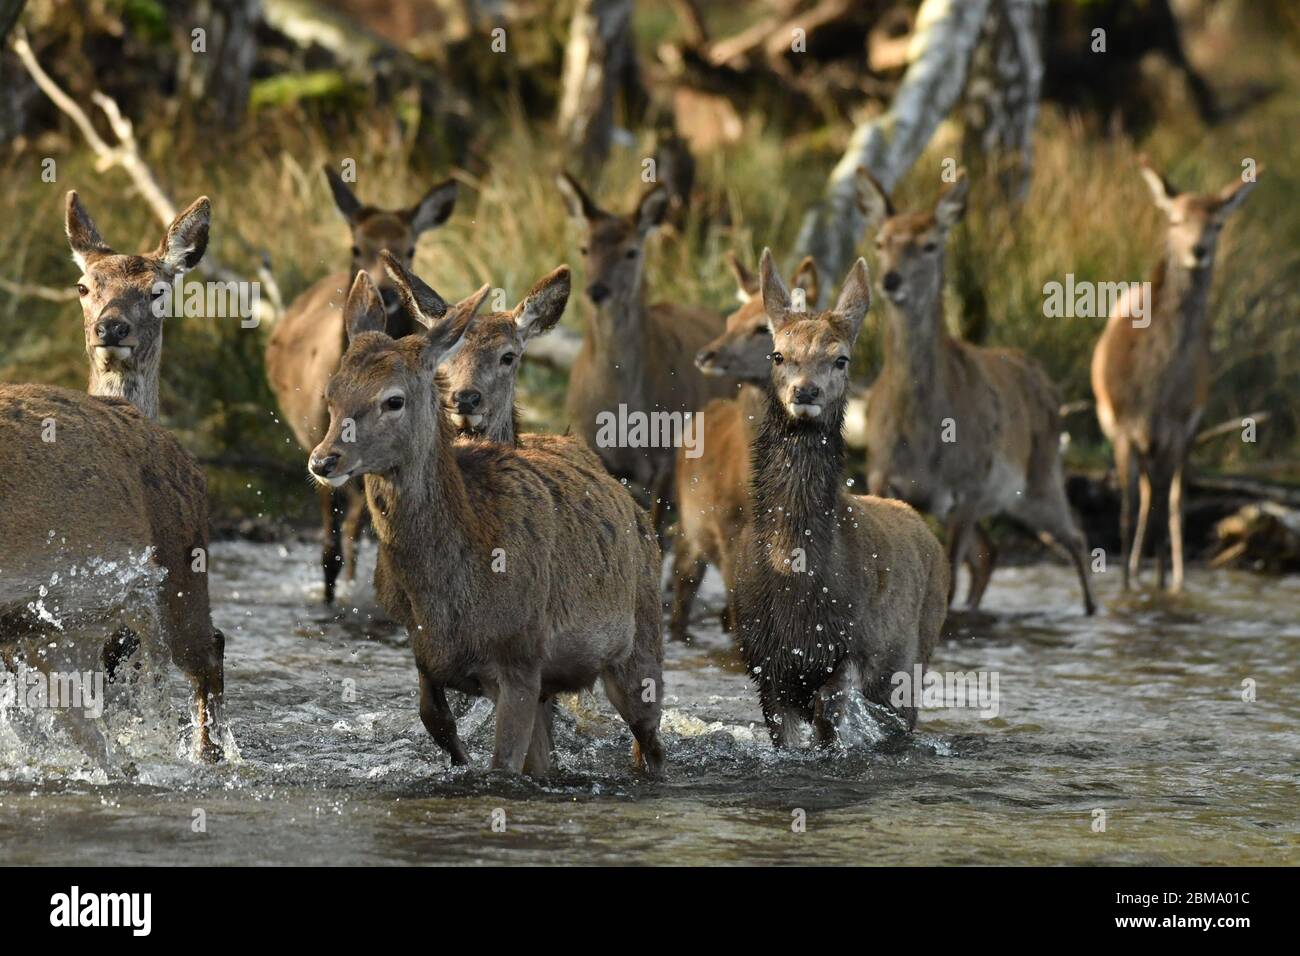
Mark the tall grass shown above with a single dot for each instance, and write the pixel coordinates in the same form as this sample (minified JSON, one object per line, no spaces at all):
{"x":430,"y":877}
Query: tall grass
{"x":1087,"y":213}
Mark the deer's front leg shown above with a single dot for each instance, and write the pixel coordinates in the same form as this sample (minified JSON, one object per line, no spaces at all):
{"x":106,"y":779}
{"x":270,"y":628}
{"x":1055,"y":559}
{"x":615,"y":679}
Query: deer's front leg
{"x":517,"y":697}
{"x":439,"y":721}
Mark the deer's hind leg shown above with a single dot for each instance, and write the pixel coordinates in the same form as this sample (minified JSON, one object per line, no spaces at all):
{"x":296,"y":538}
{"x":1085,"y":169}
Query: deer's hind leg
{"x":332,"y":538}
{"x":688,"y":573}
{"x":981,"y":561}
{"x":440,"y":722}
{"x":354,"y":520}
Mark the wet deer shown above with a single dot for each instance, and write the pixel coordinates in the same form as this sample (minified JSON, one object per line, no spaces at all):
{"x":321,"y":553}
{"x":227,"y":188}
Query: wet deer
{"x":478,"y":380}
{"x":961,"y":431}
{"x":91,"y":479}
{"x":835,"y":593}
{"x":633,"y":354}
{"x":713,"y":489}
{"x":309,"y":340}
{"x":518,"y":573}
{"x":1151,"y":379}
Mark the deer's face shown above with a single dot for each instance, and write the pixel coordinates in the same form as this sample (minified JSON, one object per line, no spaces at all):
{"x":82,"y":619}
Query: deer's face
{"x":118,"y":295}
{"x":378,"y":400}
{"x":1195,"y":219}
{"x":613,"y":247}
{"x":478,"y":381}
{"x":124,"y":298}
{"x":909,"y":245}
{"x":742,"y":351}
{"x":383,"y":414}
{"x":811,"y":352}
{"x":397,"y":230}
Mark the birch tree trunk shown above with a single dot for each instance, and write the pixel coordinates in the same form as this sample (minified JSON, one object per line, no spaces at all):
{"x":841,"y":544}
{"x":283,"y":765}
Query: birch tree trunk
{"x":597,"y":62}
{"x":946,"y":34}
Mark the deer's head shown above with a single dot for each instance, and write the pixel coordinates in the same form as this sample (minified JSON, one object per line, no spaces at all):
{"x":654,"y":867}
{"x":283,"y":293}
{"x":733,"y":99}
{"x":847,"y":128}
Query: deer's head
{"x":742,"y":351}
{"x":375,"y":229}
{"x":613,"y":247}
{"x":1195,"y":219}
{"x":909,"y":245}
{"x":478,"y":381}
{"x":811,"y":351}
{"x":383,"y":410}
{"x":120,"y":294}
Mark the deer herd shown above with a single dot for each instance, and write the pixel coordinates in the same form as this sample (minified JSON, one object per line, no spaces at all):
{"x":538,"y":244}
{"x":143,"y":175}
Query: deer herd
{"x":523,"y":565}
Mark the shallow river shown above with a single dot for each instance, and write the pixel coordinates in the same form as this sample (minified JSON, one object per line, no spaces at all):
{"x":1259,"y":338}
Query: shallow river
{"x":1119,"y":739}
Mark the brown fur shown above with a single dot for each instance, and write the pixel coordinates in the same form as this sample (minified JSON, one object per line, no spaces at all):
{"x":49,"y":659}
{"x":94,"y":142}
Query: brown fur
{"x":713,"y":489}
{"x":1005,"y":411}
{"x":309,"y":339}
{"x":578,"y":598}
{"x":835,"y":593}
{"x":111,"y":484}
{"x":1152,"y":382}
{"x":633,"y":354}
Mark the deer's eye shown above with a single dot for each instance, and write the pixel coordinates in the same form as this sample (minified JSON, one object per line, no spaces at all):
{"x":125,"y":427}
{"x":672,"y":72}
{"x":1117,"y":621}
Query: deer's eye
{"x":842,"y":362}
{"x":356,"y":250}
{"x":930,"y":246}
{"x":393,"y":403}
{"x":630,"y":254}
{"x":582,"y":249}
{"x":82,"y":290}
{"x":508,"y":358}
{"x":760,"y":331}
{"x":410,"y":253}
{"x":777,"y":358}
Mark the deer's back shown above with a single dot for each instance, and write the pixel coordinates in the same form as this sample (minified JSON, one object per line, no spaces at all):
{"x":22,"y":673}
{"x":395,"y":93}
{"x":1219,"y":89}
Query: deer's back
{"x":304,"y":350}
{"x":111,"y":485}
{"x":674,"y":334}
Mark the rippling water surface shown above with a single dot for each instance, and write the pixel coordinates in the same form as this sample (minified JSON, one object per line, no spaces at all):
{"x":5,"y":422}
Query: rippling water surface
{"x":1137,"y":712}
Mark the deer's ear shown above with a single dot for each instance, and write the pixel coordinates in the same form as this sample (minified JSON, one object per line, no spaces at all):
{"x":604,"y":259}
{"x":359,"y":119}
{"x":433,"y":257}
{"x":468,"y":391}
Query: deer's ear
{"x":434,"y":209}
{"x":83,"y":237}
{"x":951,"y":206}
{"x":1161,"y":190}
{"x":746,"y":281}
{"x":415,"y":296}
{"x":364,"y":311}
{"x":776,"y":297}
{"x":446,"y":334}
{"x":544,"y":304}
{"x":805,"y":277}
{"x":344,"y":198}
{"x":855,"y":296}
{"x":873,"y":202}
{"x":1233,"y":194}
{"x":187,"y":237}
{"x":652,"y":209}
{"x":576,"y":200}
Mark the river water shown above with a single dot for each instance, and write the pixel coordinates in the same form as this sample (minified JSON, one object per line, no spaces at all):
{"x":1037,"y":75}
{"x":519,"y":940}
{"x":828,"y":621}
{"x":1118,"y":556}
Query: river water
{"x":1123,"y":738}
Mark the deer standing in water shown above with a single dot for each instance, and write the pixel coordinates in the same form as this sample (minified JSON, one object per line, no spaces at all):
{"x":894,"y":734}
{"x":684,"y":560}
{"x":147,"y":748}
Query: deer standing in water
{"x":1152,"y":379}
{"x":309,"y":340}
{"x":960,"y":431}
{"x":633,"y":354}
{"x":519,"y":573}
{"x":835,"y":593}
{"x":92,"y":479}
{"x":713,"y":489}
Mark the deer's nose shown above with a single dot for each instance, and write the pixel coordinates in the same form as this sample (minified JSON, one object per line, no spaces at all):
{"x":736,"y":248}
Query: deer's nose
{"x":466,"y":400}
{"x":112,"y":331}
{"x":892,"y":281}
{"x":705,"y":357}
{"x":323,"y":466}
{"x":598,"y":292}
{"x":806,"y":394}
